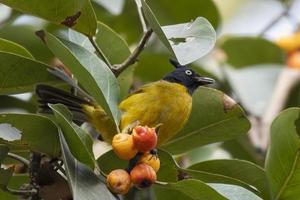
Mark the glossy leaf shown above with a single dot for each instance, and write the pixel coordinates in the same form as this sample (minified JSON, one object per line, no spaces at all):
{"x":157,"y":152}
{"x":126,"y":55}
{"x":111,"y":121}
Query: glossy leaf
{"x":187,"y":190}
{"x":25,"y":136}
{"x":3,"y":152}
{"x":19,"y":74}
{"x":76,"y":14}
{"x":12,"y":31}
{"x":15,"y":182}
{"x":188,"y":42}
{"x":243,"y":149}
{"x":14,"y":48}
{"x":15,"y":104}
{"x":165,"y":12}
{"x":215,"y":117}
{"x":83,"y":182}
{"x":243,"y":171}
{"x":215,"y":178}
{"x":233,"y":192}
{"x":154,"y":66}
{"x":282,"y":162}
{"x":79,"y":142}
{"x":5,"y":175}
{"x":254,"y":85}
{"x":246,"y":51}
{"x":116,"y":50}
{"x":191,"y":41}
{"x":114,"y":47}
{"x":91,"y":72}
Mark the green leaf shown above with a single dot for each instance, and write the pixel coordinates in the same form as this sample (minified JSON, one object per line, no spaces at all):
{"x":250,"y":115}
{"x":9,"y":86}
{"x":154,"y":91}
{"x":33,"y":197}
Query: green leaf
{"x":110,"y":161}
{"x":166,"y":13}
{"x":153,"y":66}
{"x":188,"y":42}
{"x":91,"y":72}
{"x":19,"y":74}
{"x":215,"y":178}
{"x":254,"y":85}
{"x":243,"y":149}
{"x":113,"y":46}
{"x":233,"y":192}
{"x":3,"y":152}
{"x":246,"y":51}
{"x":77,"y":14}
{"x":243,"y":171}
{"x":187,"y":190}
{"x":5,"y":175}
{"x":282,"y":162}
{"x":15,"y":182}
{"x":12,"y":31}
{"x":14,"y":48}
{"x":14,"y":103}
{"x":83,"y":182}
{"x":79,"y":142}
{"x":30,"y":131}
{"x":168,"y":170}
{"x":215,"y":117}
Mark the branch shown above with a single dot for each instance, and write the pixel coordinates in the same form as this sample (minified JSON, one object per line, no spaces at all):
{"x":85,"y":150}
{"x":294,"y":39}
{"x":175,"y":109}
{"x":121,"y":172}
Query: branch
{"x":276,"y":20}
{"x":141,"y":16}
{"x":117,"y":69}
{"x":99,"y":51}
{"x":34,"y":167}
{"x":18,"y":158}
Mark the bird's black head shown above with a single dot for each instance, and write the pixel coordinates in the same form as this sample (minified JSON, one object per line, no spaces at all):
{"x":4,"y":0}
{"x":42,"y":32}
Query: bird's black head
{"x":187,"y":77}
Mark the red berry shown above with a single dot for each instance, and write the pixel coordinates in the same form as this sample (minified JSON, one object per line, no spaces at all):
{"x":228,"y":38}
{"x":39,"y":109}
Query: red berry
{"x":142,"y":176}
{"x":144,"y":138}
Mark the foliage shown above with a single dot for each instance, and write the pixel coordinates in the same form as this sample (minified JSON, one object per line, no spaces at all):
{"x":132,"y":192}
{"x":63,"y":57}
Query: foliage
{"x":91,"y":40}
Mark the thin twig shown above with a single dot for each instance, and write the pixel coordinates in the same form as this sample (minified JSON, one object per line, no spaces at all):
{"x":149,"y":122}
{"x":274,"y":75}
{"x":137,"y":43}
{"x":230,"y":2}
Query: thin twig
{"x":276,"y":20}
{"x":99,"y":51}
{"x":18,"y":158}
{"x":34,"y":167}
{"x":141,"y":16}
{"x":117,"y":69}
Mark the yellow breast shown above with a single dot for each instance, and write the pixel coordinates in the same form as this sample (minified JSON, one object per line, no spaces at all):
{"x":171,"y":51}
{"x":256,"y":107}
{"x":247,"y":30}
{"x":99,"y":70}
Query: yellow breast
{"x":159,"y":102}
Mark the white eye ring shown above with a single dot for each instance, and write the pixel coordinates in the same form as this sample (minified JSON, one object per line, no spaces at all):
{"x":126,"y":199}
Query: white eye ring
{"x":188,"y":72}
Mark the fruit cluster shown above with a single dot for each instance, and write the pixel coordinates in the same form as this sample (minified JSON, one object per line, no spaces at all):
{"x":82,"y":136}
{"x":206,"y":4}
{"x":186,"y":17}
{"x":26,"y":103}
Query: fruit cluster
{"x":139,"y":148}
{"x":291,"y":44}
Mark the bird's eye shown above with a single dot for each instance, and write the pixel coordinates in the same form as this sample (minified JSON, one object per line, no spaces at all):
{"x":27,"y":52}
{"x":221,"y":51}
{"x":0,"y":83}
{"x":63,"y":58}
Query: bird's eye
{"x":188,"y":72}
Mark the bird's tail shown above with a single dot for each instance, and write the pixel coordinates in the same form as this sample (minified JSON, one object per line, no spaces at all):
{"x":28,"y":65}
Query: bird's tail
{"x":48,"y":94}
{"x":82,"y":109}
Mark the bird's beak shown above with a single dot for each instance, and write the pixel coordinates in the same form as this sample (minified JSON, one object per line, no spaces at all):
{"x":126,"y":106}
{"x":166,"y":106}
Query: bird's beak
{"x":204,"y":80}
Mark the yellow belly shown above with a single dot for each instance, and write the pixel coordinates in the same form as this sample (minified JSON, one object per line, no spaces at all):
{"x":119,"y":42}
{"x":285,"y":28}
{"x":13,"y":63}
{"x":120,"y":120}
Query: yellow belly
{"x":159,"y":102}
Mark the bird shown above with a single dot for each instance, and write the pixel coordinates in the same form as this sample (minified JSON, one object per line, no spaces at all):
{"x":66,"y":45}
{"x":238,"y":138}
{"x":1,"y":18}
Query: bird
{"x":166,"y":103}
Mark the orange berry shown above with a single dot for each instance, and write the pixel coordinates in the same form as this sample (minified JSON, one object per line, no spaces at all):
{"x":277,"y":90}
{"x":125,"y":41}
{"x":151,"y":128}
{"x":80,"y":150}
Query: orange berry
{"x":151,"y":160}
{"x":118,"y":181}
{"x":144,"y":138}
{"x":293,"y":60}
{"x":142,"y":176}
{"x":123,"y":146}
